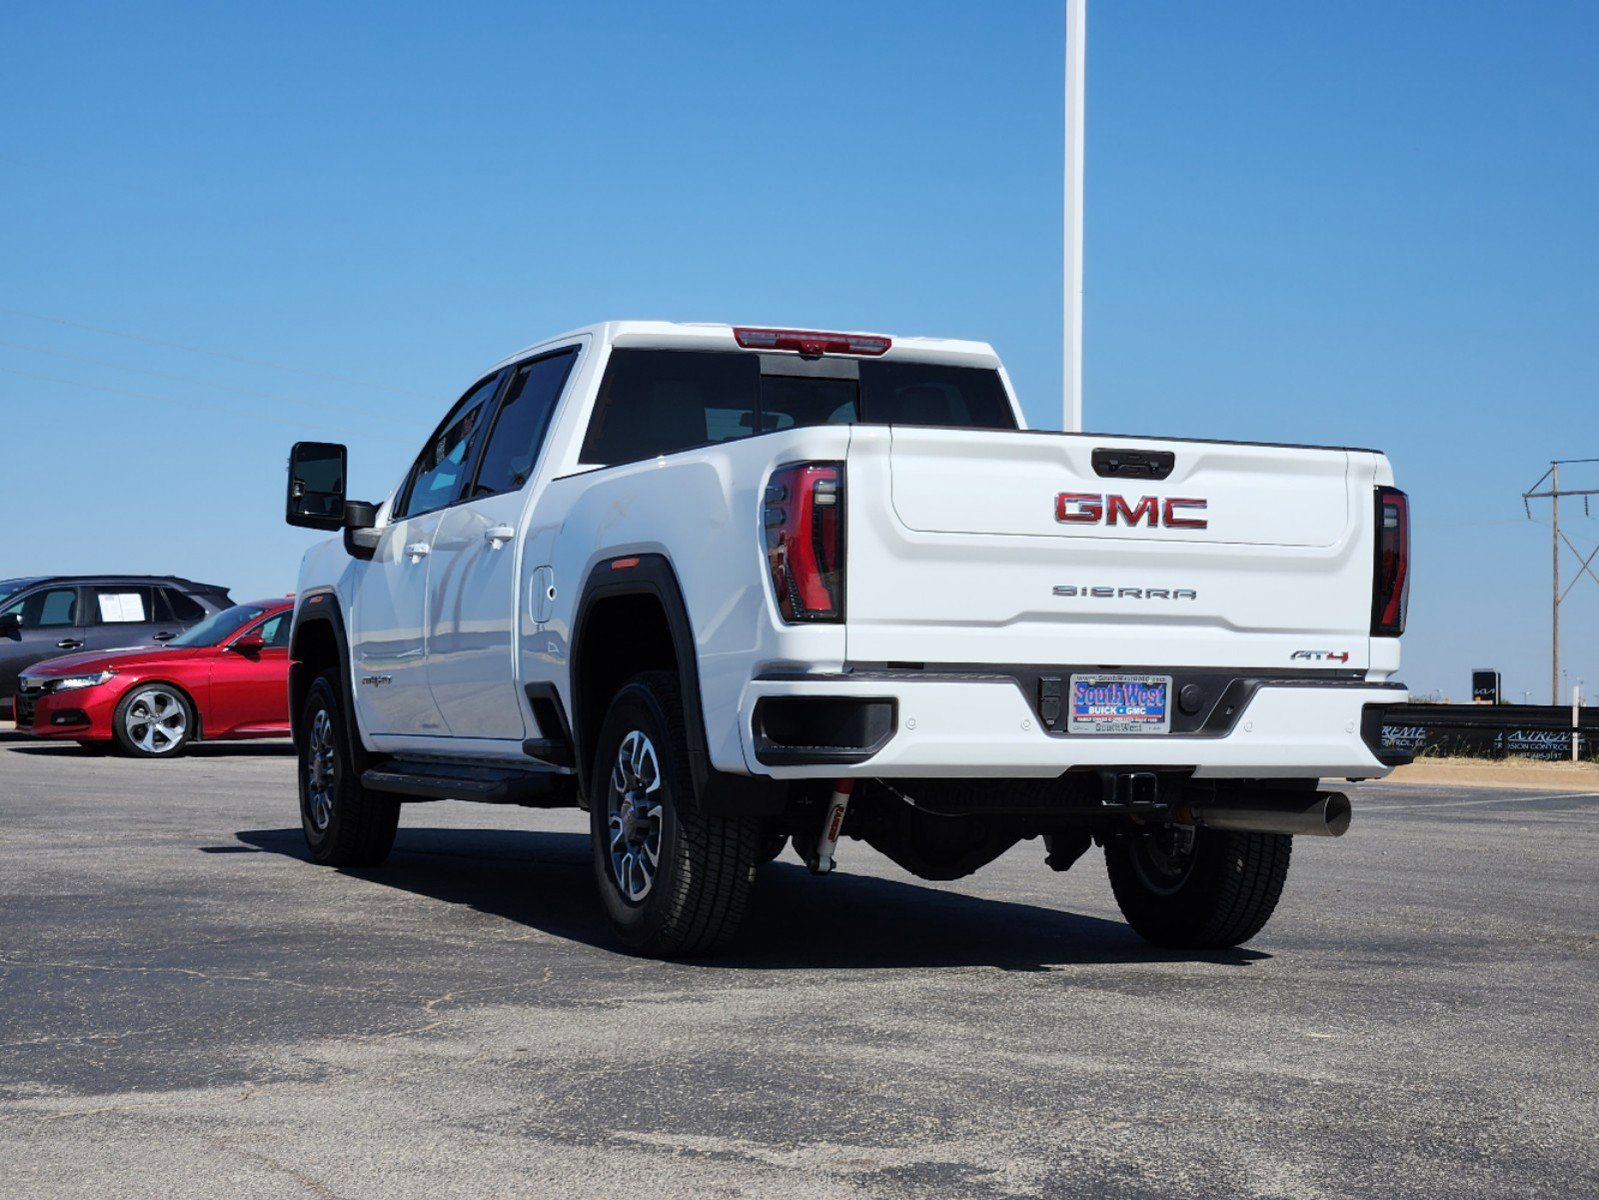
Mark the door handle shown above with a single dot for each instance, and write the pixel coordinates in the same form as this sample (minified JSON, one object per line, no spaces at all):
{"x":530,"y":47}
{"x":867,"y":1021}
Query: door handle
{"x":417,"y":551}
{"x":498,"y":536}
{"x":68,"y":644}
{"x":164,"y":636}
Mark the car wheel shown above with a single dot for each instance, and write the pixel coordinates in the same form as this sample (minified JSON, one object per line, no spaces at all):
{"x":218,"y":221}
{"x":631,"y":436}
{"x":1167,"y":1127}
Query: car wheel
{"x":153,"y":721}
{"x":345,"y":824}
{"x":674,"y":879}
{"x":1216,"y":891}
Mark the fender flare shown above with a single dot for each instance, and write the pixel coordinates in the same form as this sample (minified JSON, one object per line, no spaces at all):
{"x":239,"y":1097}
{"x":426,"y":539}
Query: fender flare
{"x":321,"y":608}
{"x":653,"y":575}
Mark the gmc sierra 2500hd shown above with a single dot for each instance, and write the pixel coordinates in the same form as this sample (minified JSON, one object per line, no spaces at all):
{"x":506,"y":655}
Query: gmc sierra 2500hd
{"x":727,"y":588}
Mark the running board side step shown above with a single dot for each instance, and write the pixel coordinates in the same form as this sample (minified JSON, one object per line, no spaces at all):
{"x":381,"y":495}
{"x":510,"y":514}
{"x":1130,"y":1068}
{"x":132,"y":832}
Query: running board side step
{"x":431,"y":779}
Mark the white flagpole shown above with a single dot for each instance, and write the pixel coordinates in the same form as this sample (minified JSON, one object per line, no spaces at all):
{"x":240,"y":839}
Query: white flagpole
{"x":1076,"y":33}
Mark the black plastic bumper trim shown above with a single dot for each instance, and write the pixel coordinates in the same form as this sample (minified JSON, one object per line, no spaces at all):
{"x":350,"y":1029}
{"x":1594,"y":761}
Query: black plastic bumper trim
{"x":1371,"y":722}
{"x":795,"y":731}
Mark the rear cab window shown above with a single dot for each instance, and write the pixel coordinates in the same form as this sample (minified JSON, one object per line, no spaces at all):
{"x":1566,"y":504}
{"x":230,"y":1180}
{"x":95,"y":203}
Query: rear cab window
{"x":662,"y":401}
{"x":910,"y":393}
{"x":654,"y":402}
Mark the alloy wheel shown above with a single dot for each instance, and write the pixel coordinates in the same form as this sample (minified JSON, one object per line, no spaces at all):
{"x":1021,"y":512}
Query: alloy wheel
{"x":634,"y":814}
{"x":156,"y":721}
{"x":321,"y":771}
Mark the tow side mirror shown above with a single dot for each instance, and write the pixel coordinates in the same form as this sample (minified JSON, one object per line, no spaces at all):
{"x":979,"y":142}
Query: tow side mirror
{"x":252,"y":643}
{"x":11,"y":625}
{"x":316,"y":486}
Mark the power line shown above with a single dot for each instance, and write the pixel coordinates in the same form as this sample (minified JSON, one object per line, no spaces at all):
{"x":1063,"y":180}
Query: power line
{"x":225,"y":356}
{"x":95,"y":387}
{"x":368,"y":413}
{"x":1470,"y":524}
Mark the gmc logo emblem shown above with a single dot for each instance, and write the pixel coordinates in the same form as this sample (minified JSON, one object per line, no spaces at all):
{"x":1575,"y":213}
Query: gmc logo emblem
{"x":1091,"y":508}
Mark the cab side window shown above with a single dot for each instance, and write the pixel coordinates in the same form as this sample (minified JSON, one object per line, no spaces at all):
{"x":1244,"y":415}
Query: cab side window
{"x":440,"y":472}
{"x":524,"y":417}
{"x":49,"y":609}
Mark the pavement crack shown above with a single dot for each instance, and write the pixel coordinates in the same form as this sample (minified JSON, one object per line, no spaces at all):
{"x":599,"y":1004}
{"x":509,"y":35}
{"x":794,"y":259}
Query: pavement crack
{"x":192,"y":972}
{"x":73,"y":1039}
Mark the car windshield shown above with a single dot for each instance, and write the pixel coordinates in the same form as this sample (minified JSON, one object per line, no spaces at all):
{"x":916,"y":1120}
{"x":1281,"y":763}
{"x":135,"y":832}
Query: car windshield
{"x":218,"y":627}
{"x":10,"y":587}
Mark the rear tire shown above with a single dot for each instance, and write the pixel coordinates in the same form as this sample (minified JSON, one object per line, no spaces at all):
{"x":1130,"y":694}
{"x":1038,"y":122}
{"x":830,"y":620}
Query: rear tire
{"x":1220,"y":894}
{"x":345,"y":824}
{"x":674,"y":879}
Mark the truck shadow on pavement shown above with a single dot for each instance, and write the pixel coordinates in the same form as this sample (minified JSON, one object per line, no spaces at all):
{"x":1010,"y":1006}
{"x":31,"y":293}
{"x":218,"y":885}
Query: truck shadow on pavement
{"x":543,"y":880}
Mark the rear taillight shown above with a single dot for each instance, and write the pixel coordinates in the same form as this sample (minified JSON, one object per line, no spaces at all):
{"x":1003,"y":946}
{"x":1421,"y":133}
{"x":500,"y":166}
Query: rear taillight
{"x":1390,"y":594}
{"x":804,"y":517}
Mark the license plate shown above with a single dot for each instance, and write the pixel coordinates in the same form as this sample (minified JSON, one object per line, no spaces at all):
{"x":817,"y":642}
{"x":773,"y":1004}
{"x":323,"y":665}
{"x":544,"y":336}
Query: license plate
{"x":1119,"y":704}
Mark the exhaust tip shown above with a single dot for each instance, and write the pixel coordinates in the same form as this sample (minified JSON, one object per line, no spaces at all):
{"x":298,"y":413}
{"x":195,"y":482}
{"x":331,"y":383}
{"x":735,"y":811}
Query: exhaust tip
{"x":1338,"y":813}
{"x":1326,"y":815}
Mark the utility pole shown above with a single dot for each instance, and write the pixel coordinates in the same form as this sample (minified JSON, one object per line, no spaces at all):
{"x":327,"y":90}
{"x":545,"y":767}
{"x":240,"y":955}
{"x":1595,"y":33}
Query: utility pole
{"x":1072,"y":353}
{"x":1585,"y":561}
{"x":1554,"y":591}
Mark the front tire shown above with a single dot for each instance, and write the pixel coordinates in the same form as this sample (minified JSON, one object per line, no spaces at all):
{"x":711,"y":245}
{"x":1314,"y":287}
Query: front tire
{"x":154,"y":720}
{"x":345,"y":824}
{"x":674,"y":879}
{"x":1218,"y":893}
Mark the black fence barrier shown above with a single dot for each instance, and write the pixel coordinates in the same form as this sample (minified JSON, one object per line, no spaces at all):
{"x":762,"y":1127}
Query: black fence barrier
{"x":1491,"y":730}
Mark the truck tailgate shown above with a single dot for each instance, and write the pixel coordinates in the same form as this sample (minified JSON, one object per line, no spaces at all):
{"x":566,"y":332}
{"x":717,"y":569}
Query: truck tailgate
{"x":961,"y":549}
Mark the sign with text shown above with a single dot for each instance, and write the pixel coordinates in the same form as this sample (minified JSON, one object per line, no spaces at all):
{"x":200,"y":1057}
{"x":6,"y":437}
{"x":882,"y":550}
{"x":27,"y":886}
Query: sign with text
{"x":1485,"y":688}
{"x":1509,"y":731}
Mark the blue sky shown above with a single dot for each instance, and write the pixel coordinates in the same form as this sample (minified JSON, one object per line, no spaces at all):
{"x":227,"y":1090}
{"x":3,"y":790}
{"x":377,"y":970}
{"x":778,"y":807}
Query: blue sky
{"x":1373,"y":224}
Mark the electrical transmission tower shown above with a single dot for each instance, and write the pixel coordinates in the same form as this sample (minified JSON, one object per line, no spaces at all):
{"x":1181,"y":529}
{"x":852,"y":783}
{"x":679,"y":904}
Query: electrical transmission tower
{"x":1554,"y":493}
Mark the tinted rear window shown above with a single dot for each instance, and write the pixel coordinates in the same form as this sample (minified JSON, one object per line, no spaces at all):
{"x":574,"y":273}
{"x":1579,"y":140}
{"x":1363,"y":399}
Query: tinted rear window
{"x":907,"y":393}
{"x":662,"y":401}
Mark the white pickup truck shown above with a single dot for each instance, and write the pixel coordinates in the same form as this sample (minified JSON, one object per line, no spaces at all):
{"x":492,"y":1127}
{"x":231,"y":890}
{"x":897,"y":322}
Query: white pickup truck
{"x":730,"y":588}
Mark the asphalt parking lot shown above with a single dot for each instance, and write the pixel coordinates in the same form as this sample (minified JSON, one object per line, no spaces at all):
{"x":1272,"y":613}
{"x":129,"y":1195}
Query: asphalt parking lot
{"x":190,"y":1008}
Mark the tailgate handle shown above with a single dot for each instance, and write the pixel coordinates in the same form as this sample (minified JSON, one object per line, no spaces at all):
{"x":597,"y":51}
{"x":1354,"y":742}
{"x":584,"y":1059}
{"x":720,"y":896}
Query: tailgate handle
{"x":1133,"y":464}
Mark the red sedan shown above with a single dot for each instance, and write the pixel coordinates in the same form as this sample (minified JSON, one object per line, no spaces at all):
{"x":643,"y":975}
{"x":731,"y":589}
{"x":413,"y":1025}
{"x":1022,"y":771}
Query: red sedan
{"x":228,"y":677}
